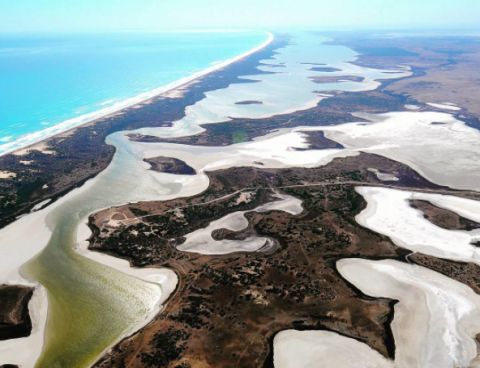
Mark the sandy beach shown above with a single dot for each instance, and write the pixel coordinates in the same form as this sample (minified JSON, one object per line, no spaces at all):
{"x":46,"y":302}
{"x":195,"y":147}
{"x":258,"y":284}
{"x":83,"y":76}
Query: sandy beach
{"x":228,"y":184}
{"x":15,"y":254}
{"x":134,"y":182}
{"x":33,"y":141}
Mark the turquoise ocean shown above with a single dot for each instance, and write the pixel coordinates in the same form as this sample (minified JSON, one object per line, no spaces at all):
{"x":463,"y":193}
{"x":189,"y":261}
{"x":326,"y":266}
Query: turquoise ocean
{"x":48,"y":79}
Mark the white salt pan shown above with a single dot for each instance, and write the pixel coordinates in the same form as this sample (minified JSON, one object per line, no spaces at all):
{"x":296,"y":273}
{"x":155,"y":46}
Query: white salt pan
{"x":436,"y":319}
{"x":201,"y":241}
{"x":313,"y":349}
{"x":389,"y":213}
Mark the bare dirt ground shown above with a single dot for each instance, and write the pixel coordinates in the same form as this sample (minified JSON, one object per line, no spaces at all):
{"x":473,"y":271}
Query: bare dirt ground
{"x":227,"y":309}
{"x":446,"y":67}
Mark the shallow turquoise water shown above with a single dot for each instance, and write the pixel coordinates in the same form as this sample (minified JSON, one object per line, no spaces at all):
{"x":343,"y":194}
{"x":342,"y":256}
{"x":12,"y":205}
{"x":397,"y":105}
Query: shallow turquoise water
{"x":47,"y":79}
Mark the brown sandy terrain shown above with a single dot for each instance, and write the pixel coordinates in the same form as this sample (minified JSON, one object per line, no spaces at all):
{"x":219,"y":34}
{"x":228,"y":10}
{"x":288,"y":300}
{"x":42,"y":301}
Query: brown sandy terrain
{"x":468,"y":273}
{"x":446,"y":68}
{"x":444,"y":218}
{"x":227,"y":308}
{"x":63,"y":162}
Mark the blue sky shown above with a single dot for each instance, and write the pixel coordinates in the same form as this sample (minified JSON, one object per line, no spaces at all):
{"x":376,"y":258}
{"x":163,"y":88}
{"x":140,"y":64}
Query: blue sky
{"x":117,"y":15}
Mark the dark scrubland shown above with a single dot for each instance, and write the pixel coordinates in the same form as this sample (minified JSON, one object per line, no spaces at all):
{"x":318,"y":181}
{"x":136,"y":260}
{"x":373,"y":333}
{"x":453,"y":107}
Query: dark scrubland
{"x":14,"y":317}
{"x":82,"y":153}
{"x":226,"y":309}
{"x":170,"y":165}
{"x":330,"y":111}
{"x":249,"y":102}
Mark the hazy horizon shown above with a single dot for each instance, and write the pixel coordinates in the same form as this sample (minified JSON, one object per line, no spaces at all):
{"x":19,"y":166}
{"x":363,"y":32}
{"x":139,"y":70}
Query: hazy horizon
{"x":46,"y":16}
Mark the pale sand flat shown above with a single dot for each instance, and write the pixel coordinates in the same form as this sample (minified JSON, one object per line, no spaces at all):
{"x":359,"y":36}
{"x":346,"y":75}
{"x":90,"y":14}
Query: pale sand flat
{"x":42,"y":147}
{"x":325,"y":349}
{"x":444,"y":106}
{"x":201,"y":240}
{"x":7,"y":174}
{"x":426,"y":141}
{"x":436,"y":319}
{"x":25,"y":351}
{"x":389,"y":212}
{"x":18,"y":248}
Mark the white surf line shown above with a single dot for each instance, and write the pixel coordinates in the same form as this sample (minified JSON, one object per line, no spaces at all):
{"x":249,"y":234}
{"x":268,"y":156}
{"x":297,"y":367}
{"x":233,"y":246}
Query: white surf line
{"x":201,"y":240}
{"x":436,"y":319}
{"x":389,"y":212}
{"x":36,"y":137}
{"x":26,"y":351}
{"x":326,"y":349}
{"x":147,"y":188}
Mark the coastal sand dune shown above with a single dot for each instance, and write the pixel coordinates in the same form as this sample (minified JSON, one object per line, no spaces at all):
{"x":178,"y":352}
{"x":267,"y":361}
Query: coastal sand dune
{"x":134,"y":182}
{"x":19,"y":248}
{"x":172,"y":90}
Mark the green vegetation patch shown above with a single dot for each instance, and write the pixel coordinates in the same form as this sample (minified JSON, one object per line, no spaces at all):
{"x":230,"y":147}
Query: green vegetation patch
{"x":239,"y":136}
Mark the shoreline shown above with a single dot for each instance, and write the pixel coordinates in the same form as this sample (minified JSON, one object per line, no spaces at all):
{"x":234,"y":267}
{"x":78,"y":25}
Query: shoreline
{"x":70,"y":125}
{"x":13,"y":350}
{"x":408,"y":165}
{"x":15,"y":275}
{"x":165,"y":278}
{"x":184,"y":83}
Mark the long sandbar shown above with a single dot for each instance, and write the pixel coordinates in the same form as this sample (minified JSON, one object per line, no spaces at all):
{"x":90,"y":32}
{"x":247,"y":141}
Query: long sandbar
{"x":36,"y":222}
{"x":30,"y":141}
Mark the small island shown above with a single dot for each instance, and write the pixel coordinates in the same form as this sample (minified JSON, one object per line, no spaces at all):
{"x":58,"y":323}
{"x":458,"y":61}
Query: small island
{"x":14,"y":317}
{"x":249,"y":102}
{"x":337,"y":78}
{"x":170,"y":165}
{"x":324,"y":69}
